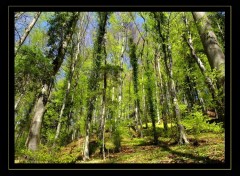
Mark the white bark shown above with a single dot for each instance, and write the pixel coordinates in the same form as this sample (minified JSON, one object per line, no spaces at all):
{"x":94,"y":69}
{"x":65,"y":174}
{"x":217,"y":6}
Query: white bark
{"x":210,"y":43}
{"x":72,"y":68}
{"x":27,"y":31}
{"x":18,"y":101}
{"x":34,"y":133}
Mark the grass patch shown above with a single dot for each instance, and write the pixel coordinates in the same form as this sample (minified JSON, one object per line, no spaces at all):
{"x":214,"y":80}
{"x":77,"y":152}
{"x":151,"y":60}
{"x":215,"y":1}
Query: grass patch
{"x":210,"y":149}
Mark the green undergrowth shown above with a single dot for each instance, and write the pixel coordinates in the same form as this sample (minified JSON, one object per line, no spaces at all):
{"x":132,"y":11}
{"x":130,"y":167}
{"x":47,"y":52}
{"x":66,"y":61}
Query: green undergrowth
{"x":206,"y":146}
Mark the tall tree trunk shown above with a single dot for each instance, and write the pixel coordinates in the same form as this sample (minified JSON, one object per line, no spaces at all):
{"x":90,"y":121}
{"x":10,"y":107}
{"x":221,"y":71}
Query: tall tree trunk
{"x":168,"y":66}
{"x":34,"y":133}
{"x":152,"y":111}
{"x":27,"y":31}
{"x":161,"y":87}
{"x":133,"y":61}
{"x":214,"y":53}
{"x":71,"y":73}
{"x":164,"y":102}
{"x":201,"y":66}
{"x":98,"y":49}
{"x":144,"y":102}
{"x":104,"y":101}
{"x":103,"y":115}
{"x":121,"y":79}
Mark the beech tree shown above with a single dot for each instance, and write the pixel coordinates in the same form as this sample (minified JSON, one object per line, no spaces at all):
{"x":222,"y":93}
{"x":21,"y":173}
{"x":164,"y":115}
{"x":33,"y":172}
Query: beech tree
{"x":34,"y":133}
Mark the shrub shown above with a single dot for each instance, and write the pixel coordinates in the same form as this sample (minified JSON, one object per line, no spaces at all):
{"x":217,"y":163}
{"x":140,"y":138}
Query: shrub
{"x":196,"y":123}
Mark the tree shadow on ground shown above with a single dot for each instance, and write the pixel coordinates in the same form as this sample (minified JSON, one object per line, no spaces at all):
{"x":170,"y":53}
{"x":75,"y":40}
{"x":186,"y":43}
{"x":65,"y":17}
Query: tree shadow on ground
{"x":178,"y":156}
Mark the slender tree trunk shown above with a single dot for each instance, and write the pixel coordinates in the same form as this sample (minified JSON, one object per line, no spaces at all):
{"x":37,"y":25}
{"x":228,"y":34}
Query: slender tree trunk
{"x":157,"y":103}
{"x":71,"y":73}
{"x":121,"y":80}
{"x":158,"y":84}
{"x":164,"y":102}
{"x":152,"y":111}
{"x":144,"y":102}
{"x":27,"y":31}
{"x":163,"y":93}
{"x":134,"y":60}
{"x":103,"y":116}
{"x":18,"y":101}
{"x":103,"y":17}
{"x":201,"y":66}
{"x":168,"y":66}
{"x":129,"y":99}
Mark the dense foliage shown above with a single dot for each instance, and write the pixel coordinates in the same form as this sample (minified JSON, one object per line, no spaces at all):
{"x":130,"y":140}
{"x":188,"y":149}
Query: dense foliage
{"x":112,"y":77}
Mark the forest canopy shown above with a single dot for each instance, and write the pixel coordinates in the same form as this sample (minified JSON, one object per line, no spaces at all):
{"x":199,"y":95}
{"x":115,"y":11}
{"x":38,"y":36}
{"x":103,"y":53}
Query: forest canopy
{"x":109,"y":87}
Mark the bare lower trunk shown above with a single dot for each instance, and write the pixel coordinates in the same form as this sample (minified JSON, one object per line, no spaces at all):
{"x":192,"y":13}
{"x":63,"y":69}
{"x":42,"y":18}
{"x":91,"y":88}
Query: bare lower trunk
{"x":34,"y":133}
{"x":102,"y":130}
{"x":103,"y":116}
{"x":182,"y":135}
{"x":164,"y":102}
{"x":144,"y":103}
{"x":59,"y":121}
{"x":87,"y":137}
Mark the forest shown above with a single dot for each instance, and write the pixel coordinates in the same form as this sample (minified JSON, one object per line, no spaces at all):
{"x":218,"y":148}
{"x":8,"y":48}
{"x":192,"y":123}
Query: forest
{"x":119,"y":87}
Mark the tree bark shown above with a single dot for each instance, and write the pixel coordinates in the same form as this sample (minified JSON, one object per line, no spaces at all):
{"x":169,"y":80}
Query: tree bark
{"x":121,"y":79}
{"x":168,"y":66}
{"x":71,"y":73}
{"x":34,"y":133}
{"x":133,"y":61}
{"x":201,"y":66}
{"x":210,"y":43}
{"x":18,"y":15}
{"x":103,"y":17}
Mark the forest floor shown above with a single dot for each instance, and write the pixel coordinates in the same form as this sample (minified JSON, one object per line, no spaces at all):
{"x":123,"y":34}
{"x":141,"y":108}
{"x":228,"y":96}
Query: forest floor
{"x":206,"y":147}
{"x":210,"y":149}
